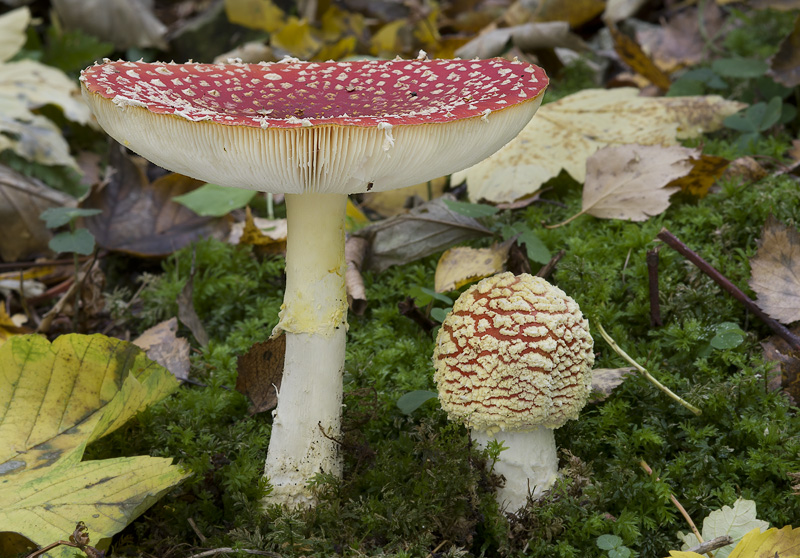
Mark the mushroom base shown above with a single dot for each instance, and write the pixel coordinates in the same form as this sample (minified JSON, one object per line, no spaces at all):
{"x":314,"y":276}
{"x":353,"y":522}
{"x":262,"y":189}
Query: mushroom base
{"x":307,"y":423}
{"x":529,"y":465}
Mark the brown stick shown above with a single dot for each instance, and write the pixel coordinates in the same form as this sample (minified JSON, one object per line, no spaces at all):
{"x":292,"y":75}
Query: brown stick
{"x":545,"y":272}
{"x":732,"y":289}
{"x":652,"y":274}
{"x":713,"y":544}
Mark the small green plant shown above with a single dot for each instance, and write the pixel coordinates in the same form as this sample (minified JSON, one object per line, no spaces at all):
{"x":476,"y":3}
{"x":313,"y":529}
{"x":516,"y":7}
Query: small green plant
{"x":75,"y":240}
{"x":613,"y":544}
{"x":728,"y":335}
{"x":424,"y":297}
{"x":493,"y":450}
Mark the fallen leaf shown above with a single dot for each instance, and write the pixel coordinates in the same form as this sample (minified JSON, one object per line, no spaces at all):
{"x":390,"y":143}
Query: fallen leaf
{"x":126,"y":23}
{"x":632,"y":182}
{"x":604,"y":380}
{"x":678,"y":41}
{"x":88,"y":386}
{"x":632,"y":54}
{"x":786,"y":374}
{"x":393,"y":37}
{"x":617,"y":10}
{"x":269,"y":235}
{"x":355,"y":218}
{"x":355,"y":250}
{"x":259,"y":373}
{"x":785,"y":64}
{"x":22,"y":200}
{"x":783,"y":543}
{"x":12,"y":32}
{"x":746,"y":169}
{"x":462,"y":265}
{"x":162,"y":345}
{"x":140,"y":218}
{"x":706,"y":170}
{"x":564,"y":134}
{"x":734,"y":521}
{"x":8,"y":326}
{"x":296,"y":37}
{"x":527,"y":37}
{"x":775,"y":271}
{"x":425,"y":230}
{"x":575,"y":12}
{"x":186,"y":311}
{"x":255,"y":14}
{"x":395,"y":202}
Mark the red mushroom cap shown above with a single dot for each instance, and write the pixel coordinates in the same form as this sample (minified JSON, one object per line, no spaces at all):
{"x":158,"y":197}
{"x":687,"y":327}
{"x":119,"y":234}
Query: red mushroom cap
{"x":514,"y":354}
{"x":332,"y":127}
{"x":292,"y":94}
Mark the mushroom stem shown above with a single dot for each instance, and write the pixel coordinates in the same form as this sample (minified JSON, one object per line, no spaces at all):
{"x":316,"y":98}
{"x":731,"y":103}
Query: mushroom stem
{"x":307,"y":421}
{"x":530,"y":463}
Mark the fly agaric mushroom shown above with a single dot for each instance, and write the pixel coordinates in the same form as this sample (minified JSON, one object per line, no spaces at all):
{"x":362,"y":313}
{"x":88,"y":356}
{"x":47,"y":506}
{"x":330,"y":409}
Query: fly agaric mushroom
{"x":316,"y":132}
{"x":513,"y":361}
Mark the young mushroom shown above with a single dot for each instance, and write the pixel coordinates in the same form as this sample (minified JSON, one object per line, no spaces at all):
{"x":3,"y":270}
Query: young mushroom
{"x":316,"y":132}
{"x":513,"y":361}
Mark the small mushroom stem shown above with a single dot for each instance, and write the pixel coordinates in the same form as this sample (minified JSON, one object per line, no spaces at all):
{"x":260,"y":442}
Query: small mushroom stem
{"x":307,"y":421}
{"x":530,"y":464}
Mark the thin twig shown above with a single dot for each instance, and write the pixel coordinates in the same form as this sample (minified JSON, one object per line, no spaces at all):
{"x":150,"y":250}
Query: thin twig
{"x":713,"y":544}
{"x":726,"y":284}
{"x":228,"y":550}
{"x":548,"y":268}
{"x":644,"y":371}
{"x":674,"y":500}
{"x":652,"y":275}
{"x":197,"y":531}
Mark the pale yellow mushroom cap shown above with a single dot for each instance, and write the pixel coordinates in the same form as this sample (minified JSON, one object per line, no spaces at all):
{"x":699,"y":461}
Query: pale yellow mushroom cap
{"x":515,"y":353}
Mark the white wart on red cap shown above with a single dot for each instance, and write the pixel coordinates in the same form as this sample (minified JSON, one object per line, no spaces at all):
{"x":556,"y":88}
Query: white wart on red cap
{"x":515,"y":353}
{"x":332,"y":127}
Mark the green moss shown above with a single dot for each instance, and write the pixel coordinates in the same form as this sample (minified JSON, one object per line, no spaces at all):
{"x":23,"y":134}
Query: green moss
{"x":413,"y":484}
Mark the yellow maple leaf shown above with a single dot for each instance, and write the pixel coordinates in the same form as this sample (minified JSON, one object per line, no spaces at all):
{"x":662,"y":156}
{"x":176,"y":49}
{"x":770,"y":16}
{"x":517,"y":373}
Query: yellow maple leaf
{"x":296,"y":37}
{"x":255,"y":14}
{"x":462,"y":265}
{"x":783,"y":543}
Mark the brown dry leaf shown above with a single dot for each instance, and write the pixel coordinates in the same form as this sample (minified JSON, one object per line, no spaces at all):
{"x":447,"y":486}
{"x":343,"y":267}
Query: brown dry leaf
{"x":785,"y":64}
{"x":574,"y":12}
{"x":632,"y":54}
{"x":604,"y":380}
{"x":140,"y":218}
{"x":186,"y":311}
{"x":395,"y":202}
{"x":162,"y":345}
{"x":260,"y":372}
{"x":775,"y":271}
{"x":632,"y":182}
{"x":564,"y":134}
{"x":268,"y":234}
{"x":425,"y":230}
{"x":745,"y":168}
{"x":706,"y":170}
{"x":22,"y":200}
{"x":678,"y":42}
{"x":462,"y":265}
{"x":255,"y":14}
{"x":126,"y":23}
{"x":355,"y":250}
{"x":527,"y":37}
{"x":786,"y":374}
